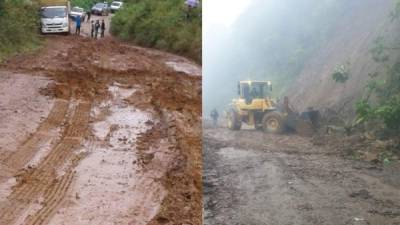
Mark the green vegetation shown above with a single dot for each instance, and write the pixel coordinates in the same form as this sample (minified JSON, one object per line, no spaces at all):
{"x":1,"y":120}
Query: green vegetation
{"x":395,"y":14}
{"x":160,"y":24}
{"x":341,"y":73}
{"x":87,"y":4}
{"x":387,"y":106}
{"x":19,"y":27}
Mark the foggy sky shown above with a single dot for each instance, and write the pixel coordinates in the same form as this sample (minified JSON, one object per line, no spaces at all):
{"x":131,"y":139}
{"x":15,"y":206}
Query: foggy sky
{"x":269,"y":40}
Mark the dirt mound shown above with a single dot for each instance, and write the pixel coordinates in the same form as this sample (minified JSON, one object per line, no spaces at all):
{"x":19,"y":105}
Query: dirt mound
{"x":350,"y":43}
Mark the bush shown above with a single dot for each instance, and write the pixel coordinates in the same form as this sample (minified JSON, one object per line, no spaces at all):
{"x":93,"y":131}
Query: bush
{"x":341,"y":74}
{"x":387,"y":108}
{"x":387,"y":91}
{"x":387,"y":112}
{"x":86,"y":4}
{"x":160,"y":24}
{"x":19,"y":21}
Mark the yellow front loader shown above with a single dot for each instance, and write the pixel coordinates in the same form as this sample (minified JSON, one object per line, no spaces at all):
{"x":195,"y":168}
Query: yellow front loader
{"x":255,"y":107}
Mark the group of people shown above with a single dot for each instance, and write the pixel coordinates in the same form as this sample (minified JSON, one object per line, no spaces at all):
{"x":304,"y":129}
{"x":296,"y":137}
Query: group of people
{"x":96,"y":27}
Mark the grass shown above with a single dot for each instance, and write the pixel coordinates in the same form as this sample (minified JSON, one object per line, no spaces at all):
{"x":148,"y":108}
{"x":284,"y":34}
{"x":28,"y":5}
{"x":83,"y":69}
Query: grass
{"x":19,"y":27}
{"x":160,"y":24}
{"x":86,"y":4}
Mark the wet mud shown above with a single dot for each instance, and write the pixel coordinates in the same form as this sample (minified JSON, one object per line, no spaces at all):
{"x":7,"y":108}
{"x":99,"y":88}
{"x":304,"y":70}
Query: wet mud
{"x":256,"y":178}
{"x":114,"y":137}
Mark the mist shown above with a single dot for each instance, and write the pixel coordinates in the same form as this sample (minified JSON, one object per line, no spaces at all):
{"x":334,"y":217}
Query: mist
{"x":269,"y":40}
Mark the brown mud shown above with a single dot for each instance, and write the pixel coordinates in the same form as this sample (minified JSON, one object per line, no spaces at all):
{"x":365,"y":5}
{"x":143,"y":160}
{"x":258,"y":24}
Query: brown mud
{"x":252,"y":178}
{"x":120,"y":124}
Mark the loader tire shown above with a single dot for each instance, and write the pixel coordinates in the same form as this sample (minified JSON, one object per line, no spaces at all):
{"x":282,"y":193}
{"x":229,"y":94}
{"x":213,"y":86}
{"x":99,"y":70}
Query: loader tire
{"x":234,"y":123}
{"x":272,"y":123}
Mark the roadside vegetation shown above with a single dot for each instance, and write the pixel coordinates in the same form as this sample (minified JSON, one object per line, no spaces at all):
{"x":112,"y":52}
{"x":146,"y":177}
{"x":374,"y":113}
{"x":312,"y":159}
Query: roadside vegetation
{"x":160,"y":24}
{"x":19,"y":27}
{"x":86,"y":4}
{"x":378,"y":111}
{"x":381,"y":102}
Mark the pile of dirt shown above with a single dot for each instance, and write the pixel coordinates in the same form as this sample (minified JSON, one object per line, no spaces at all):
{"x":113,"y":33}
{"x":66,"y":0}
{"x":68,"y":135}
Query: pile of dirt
{"x":349,"y":44}
{"x":167,"y":156}
{"x":360,"y":146}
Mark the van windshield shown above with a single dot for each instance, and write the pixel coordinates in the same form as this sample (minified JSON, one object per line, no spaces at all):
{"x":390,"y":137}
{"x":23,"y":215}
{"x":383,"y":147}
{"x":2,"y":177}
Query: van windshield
{"x":53,"y":12}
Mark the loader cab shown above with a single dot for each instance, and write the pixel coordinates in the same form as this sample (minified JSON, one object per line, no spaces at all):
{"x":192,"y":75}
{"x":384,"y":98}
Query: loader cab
{"x":250,"y":90}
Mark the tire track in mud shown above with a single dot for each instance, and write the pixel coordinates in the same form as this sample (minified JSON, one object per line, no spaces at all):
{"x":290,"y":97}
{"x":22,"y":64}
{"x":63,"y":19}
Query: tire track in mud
{"x":79,"y":66}
{"x":43,"y":181}
{"x":18,"y":159}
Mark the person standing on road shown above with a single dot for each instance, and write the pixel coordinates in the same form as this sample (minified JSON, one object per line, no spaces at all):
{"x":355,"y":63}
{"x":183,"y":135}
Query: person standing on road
{"x":190,"y":5}
{"x":88,"y":13}
{"x":96,"y":29}
{"x":78,"y":25}
{"x":214,"y":115}
{"x":103,"y":28}
{"x":92,"y":28}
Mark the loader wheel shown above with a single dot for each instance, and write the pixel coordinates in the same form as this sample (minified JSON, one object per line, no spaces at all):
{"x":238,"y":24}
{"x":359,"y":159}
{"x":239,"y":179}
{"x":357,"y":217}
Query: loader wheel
{"x":272,"y":122}
{"x":234,"y":122}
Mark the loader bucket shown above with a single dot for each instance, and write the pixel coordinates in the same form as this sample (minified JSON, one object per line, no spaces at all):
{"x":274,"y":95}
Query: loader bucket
{"x":305,"y":123}
{"x":301,"y":126}
{"x":308,"y":122}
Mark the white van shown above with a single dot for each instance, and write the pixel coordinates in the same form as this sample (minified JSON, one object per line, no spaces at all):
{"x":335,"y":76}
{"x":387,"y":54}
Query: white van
{"x":54,"y":18}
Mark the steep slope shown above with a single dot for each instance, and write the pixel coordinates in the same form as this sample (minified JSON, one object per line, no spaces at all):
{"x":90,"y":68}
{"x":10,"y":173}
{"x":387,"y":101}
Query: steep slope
{"x":358,"y":27}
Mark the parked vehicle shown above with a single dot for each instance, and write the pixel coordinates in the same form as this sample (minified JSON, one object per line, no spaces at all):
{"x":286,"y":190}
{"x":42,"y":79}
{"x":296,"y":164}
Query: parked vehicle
{"x":77,"y":11}
{"x":101,"y":9}
{"x":115,"y":6}
{"x":54,"y":16}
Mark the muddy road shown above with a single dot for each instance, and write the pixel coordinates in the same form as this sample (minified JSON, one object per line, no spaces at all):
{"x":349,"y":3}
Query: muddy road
{"x":251,"y":178}
{"x":99,"y":132}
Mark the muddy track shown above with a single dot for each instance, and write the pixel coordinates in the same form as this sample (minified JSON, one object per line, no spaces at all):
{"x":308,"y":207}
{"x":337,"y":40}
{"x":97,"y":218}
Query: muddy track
{"x":20,"y":158}
{"x":254,"y":178}
{"x":66,"y":166}
{"x":44,"y":181}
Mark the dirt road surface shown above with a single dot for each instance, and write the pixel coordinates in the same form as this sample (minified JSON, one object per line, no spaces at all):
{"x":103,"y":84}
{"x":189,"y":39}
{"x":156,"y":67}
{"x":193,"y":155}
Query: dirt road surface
{"x":99,"y":132}
{"x":252,"y":178}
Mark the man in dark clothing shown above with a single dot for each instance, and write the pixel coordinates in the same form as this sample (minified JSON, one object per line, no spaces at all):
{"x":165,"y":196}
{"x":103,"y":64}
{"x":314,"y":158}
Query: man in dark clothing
{"x":78,"y":25}
{"x":103,"y":28}
{"x":96,"y":29}
{"x":88,"y":13}
{"x":92,"y":28}
{"x":214,"y":115}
